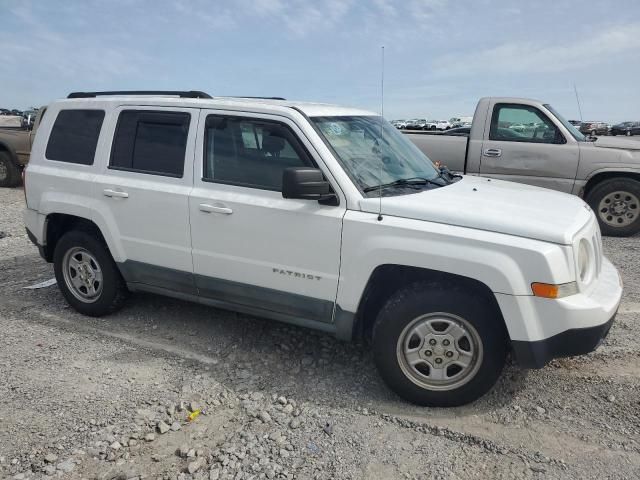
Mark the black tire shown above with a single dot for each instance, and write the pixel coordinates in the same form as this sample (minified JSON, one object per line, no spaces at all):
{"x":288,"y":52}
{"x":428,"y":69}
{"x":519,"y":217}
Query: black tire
{"x":114,"y":290}
{"x":9,"y":172}
{"x":422,"y":298}
{"x":604,"y":188}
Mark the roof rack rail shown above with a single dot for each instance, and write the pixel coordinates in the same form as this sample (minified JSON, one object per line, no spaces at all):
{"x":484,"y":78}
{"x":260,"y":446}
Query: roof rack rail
{"x":256,"y":98}
{"x":177,"y":93}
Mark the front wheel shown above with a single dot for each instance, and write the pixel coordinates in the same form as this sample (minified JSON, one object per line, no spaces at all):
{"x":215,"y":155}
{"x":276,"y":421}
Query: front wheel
{"x":87,"y":275}
{"x":629,"y":133}
{"x":439,"y":347}
{"x":616,"y":202}
{"x":9,"y":173}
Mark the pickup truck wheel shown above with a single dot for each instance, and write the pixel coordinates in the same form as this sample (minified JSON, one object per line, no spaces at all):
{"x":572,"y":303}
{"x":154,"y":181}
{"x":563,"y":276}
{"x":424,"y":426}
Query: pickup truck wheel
{"x":9,"y":173}
{"x":87,"y":275}
{"x":616,"y":202}
{"x":439,"y":347}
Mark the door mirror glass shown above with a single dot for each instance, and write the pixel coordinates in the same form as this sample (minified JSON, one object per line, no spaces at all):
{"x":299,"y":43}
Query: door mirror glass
{"x":305,"y":183}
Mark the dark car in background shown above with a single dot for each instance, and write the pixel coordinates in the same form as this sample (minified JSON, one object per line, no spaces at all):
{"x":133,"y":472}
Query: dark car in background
{"x":626,"y":128}
{"x":594,"y":128}
{"x":458,"y":131}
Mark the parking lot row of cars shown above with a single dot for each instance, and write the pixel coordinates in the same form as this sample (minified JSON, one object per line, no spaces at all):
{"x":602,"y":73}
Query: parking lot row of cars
{"x":424,"y":124}
{"x":587,"y":128}
{"x":603,"y":128}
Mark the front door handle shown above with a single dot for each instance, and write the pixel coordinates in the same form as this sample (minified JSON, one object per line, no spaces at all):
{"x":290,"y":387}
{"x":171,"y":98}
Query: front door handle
{"x":115,"y":193}
{"x":492,"y":152}
{"x":205,"y":207}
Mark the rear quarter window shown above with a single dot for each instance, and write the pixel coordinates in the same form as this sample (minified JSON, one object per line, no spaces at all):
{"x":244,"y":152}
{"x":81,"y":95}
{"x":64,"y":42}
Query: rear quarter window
{"x":74,"y":136}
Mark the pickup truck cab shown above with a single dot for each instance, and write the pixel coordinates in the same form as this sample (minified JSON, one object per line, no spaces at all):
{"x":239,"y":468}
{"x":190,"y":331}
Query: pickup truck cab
{"x":527,"y":141}
{"x":322,"y":216}
{"x":16,"y":137}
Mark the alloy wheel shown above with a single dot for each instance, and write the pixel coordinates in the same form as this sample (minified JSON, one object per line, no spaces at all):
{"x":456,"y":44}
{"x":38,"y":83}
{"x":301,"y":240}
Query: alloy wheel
{"x":82,"y":274}
{"x":619,"y":208}
{"x":439,"y":351}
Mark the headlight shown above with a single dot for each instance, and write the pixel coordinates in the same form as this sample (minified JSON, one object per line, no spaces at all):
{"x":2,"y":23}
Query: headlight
{"x":584,"y":261}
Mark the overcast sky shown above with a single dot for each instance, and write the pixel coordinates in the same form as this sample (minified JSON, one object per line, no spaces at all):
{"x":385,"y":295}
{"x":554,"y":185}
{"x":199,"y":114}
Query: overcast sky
{"x":441,"y":55}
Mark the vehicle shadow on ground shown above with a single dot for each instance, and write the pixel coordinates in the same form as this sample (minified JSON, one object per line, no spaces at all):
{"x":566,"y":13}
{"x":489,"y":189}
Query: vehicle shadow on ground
{"x":248,"y":353}
{"x":254,"y":353}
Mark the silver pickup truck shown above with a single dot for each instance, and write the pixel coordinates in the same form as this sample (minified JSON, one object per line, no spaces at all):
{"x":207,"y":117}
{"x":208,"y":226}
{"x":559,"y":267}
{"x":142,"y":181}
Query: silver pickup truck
{"x":527,"y":141}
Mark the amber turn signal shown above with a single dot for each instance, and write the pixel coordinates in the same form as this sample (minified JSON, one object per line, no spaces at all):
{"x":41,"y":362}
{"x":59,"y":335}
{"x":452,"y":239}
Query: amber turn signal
{"x":549,"y":290}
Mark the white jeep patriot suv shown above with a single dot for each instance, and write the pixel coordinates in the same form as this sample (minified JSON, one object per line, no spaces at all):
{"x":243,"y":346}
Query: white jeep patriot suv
{"x":321,"y":216}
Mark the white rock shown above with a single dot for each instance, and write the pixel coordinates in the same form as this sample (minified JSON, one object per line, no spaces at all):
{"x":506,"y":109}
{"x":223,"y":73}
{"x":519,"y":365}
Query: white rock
{"x":196,"y":465}
{"x":162,"y":427}
{"x":264,"y":416}
{"x":67,"y":466}
{"x":175,"y":426}
{"x":294,"y":423}
{"x":115,"y":446}
{"x":51,"y":458}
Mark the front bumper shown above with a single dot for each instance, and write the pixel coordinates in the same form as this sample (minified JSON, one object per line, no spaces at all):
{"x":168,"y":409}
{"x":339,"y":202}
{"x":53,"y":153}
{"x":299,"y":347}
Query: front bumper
{"x":569,"y":343}
{"x":543,"y":329}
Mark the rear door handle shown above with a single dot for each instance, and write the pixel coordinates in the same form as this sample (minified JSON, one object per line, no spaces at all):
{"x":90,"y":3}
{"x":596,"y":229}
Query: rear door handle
{"x":115,"y":193}
{"x":205,"y":207}
{"x":492,"y":152}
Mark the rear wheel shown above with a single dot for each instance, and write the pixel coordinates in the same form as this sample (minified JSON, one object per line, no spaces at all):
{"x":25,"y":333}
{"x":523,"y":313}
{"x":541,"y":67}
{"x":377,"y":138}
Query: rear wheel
{"x":439,"y":347}
{"x":629,"y":133}
{"x":9,"y":173}
{"x":87,"y":275}
{"x":616,"y":202}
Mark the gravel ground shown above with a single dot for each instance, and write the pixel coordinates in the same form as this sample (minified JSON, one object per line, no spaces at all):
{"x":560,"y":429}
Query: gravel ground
{"x":109,"y":398}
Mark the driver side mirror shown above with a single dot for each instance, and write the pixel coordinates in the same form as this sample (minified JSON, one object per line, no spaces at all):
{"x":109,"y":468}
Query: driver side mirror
{"x":306,"y":184}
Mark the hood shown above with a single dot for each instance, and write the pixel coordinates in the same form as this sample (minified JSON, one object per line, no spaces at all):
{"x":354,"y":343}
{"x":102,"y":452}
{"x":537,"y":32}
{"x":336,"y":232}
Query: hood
{"x":493,"y":205}
{"x":615,"y":142}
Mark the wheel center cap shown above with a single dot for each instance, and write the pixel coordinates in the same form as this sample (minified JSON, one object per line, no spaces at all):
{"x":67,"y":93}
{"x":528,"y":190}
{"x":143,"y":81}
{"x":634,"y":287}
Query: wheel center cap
{"x":438,"y":350}
{"x":619,"y":208}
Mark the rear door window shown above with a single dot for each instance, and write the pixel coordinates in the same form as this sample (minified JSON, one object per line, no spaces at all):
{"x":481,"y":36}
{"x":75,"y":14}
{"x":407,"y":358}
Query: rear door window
{"x":74,"y":136}
{"x":152,"y":142}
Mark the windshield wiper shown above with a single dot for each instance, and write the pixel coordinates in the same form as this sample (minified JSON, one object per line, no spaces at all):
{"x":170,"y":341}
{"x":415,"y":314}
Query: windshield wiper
{"x":403,"y":182}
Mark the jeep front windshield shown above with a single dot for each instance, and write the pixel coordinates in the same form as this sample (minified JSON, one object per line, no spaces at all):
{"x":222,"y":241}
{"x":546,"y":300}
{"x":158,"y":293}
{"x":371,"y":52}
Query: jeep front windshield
{"x":374,"y":153}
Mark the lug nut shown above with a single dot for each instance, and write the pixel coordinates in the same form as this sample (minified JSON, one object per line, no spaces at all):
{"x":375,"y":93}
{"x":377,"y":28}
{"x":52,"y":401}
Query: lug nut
{"x":446,"y":342}
{"x":449,"y":354}
{"x":432,"y":341}
{"x":428,"y":353}
{"x":438,"y":360}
